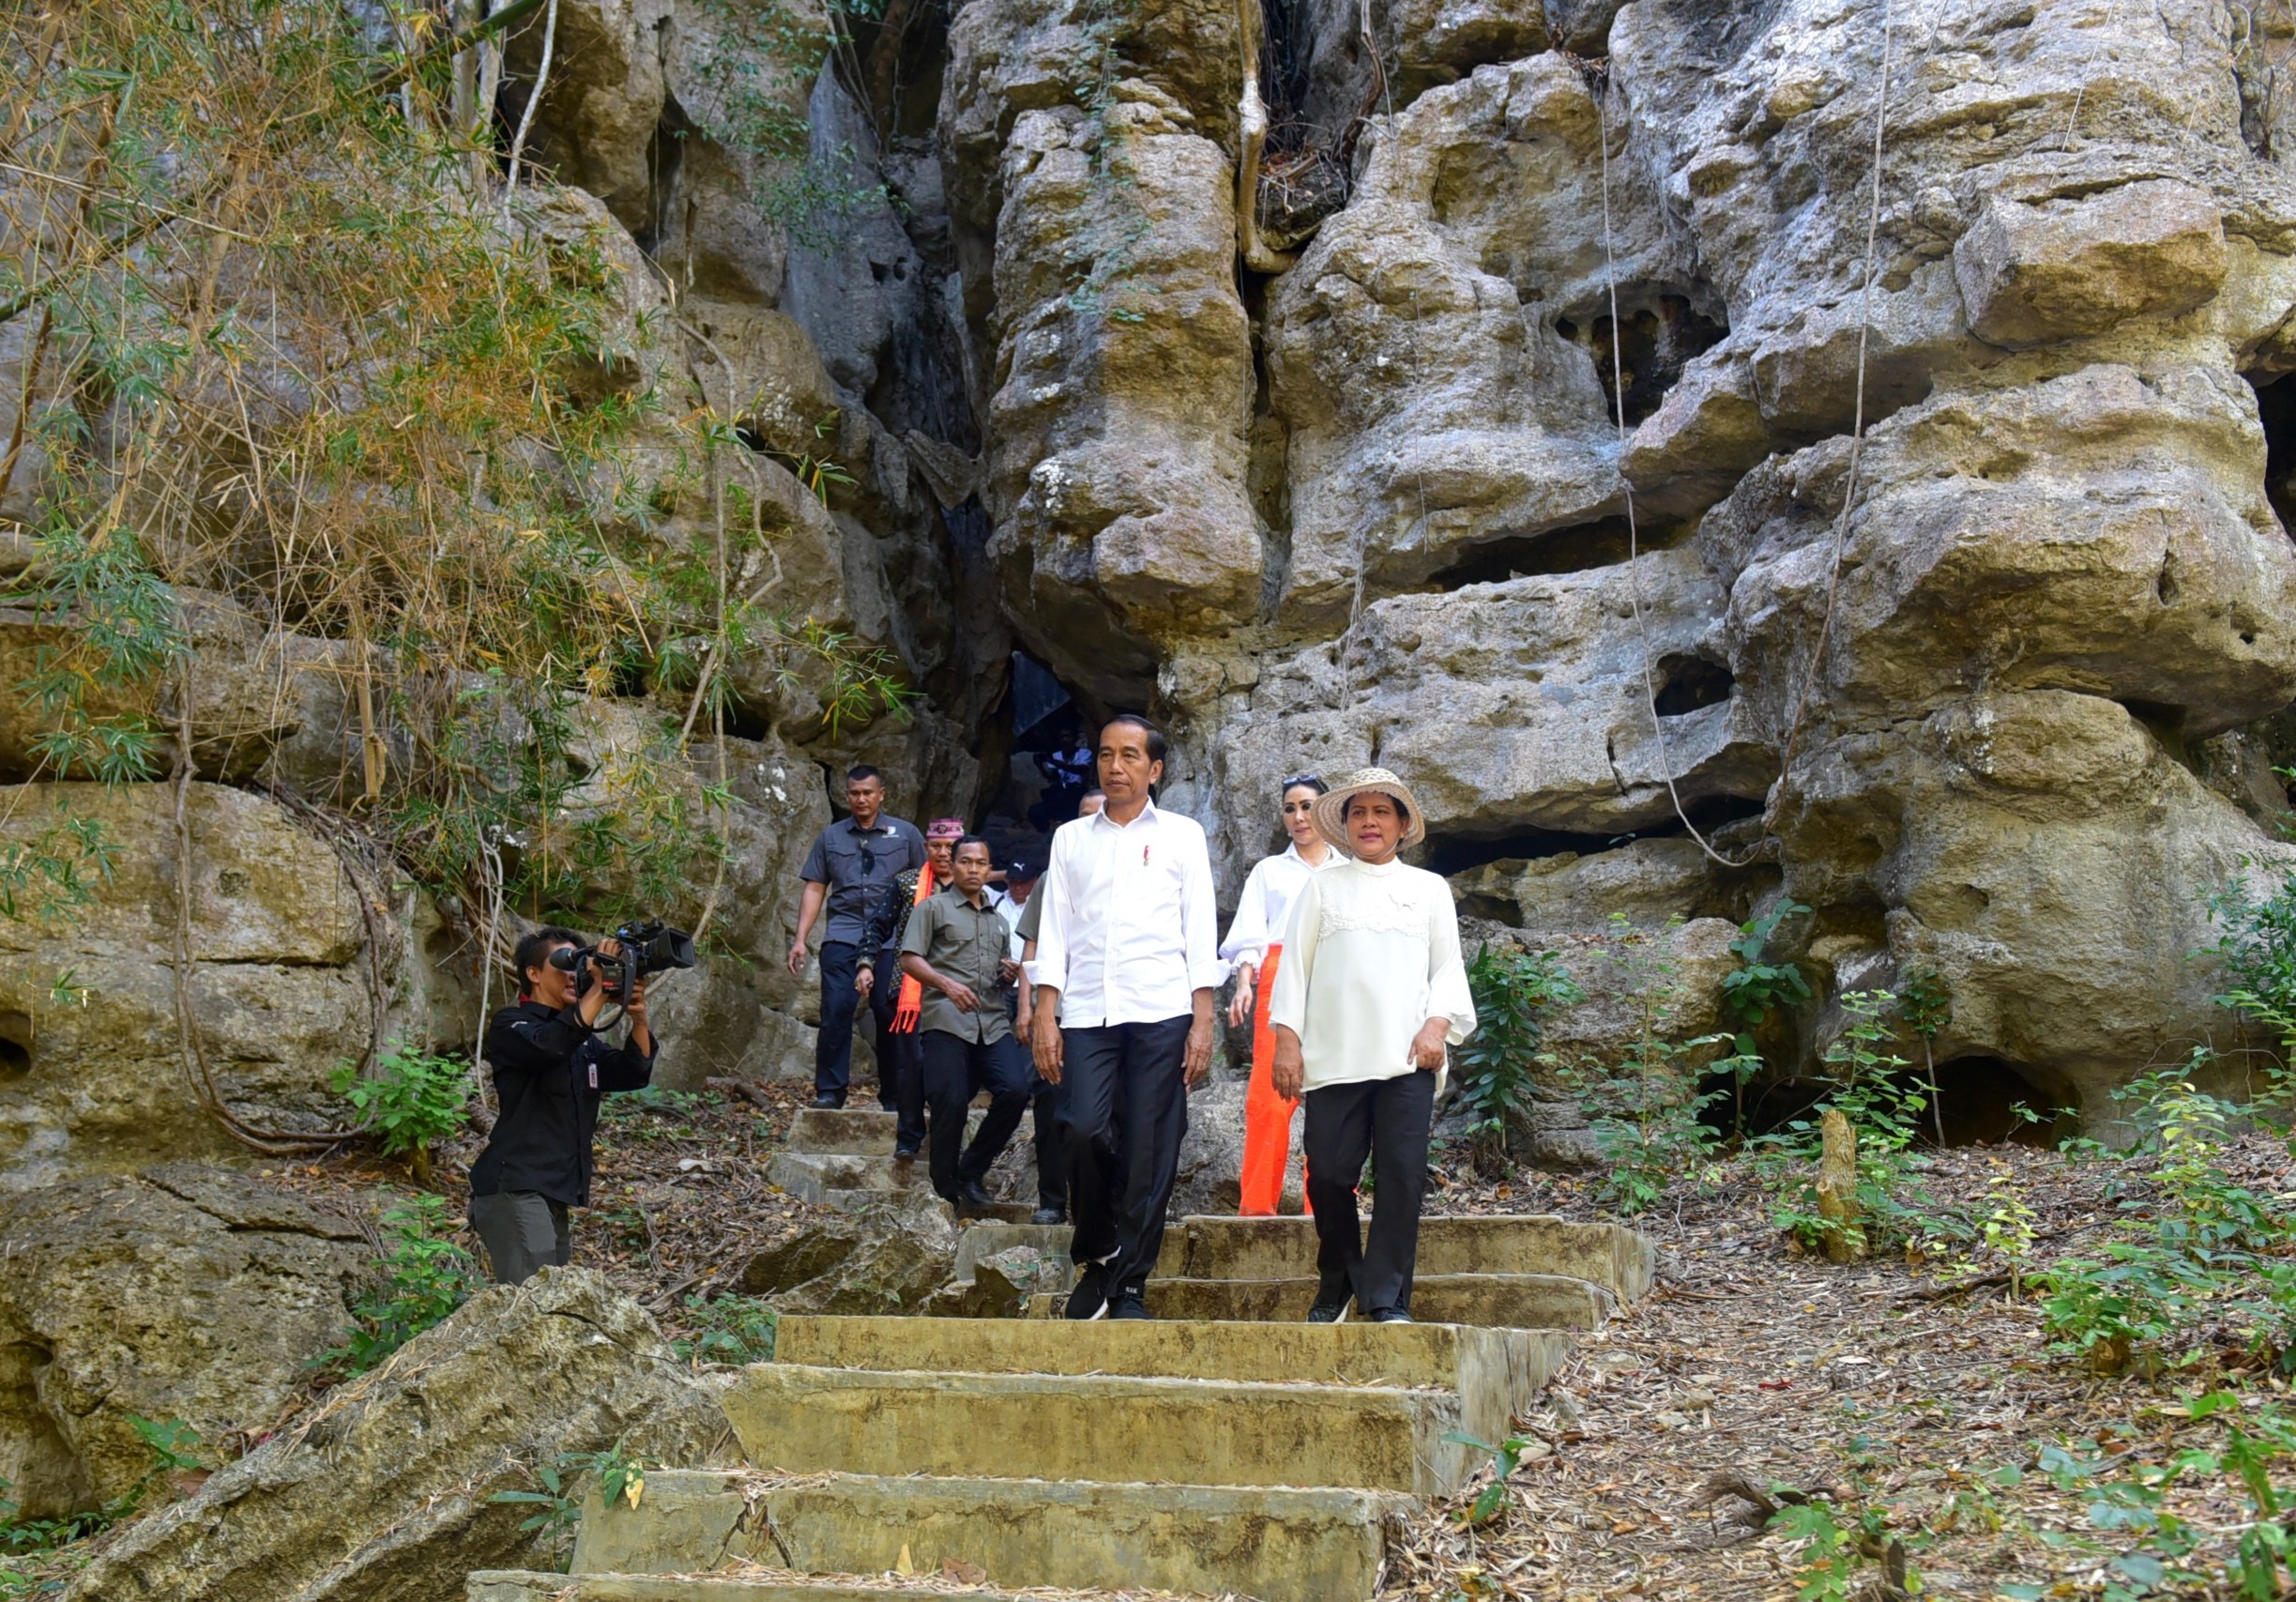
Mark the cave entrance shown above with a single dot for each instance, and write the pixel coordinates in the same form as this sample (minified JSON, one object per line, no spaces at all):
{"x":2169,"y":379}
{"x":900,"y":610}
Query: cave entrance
{"x":1049,"y":767}
{"x":15,"y":1046}
{"x":1981,"y":1100}
{"x":1638,"y":358}
{"x":2276,"y":411}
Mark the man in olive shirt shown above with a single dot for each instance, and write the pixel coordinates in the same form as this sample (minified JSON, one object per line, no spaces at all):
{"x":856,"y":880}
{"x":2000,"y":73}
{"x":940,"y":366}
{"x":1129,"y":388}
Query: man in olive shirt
{"x":955,"y":947}
{"x":853,"y":862}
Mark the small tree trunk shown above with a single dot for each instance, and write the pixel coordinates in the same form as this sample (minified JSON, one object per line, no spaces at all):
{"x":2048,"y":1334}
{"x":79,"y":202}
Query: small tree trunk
{"x":1837,"y":1189}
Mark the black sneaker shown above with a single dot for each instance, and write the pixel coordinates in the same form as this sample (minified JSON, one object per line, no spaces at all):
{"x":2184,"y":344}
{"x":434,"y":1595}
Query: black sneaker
{"x":1049,"y":1215}
{"x":1329,"y":1309}
{"x":1089,"y":1300}
{"x":1390,"y":1316}
{"x":827,"y":1103}
{"x":1128,"y":1304}
{"x":905,"y":1153}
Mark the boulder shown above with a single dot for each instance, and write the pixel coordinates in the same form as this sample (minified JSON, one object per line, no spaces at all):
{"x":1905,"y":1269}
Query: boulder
{"x":2030,"y":274}
{"x":92,"y":1075}
{"x":2050,"y":860}
{"x":188,"y":1293}
{"x":2106,"y":532}
{"x":1124,"y":520}
{"x":891,"y":1262}
{"x":383,"y":1490}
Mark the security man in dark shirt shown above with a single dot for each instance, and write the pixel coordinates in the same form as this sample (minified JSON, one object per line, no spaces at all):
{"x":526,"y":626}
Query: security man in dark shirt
{"x":851,"y":864}
{"x":957,"y":946}
{"x":550,"y":1070}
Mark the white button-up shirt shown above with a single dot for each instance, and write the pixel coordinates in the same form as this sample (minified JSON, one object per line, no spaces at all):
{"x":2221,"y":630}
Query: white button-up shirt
{"x":1130,"y":931}
{"x":1264,"y":910}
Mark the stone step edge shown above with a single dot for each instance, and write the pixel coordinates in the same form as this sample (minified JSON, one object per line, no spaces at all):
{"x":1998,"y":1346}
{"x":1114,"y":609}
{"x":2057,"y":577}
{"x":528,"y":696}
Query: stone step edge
{"x":702,"y":1514}
{"x":757,"y":1585}
{"x":1604,"y":1301}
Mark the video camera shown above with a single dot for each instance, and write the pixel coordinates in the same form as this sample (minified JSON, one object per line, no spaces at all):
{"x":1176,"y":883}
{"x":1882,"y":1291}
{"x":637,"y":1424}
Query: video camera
{"x":648,"y":948}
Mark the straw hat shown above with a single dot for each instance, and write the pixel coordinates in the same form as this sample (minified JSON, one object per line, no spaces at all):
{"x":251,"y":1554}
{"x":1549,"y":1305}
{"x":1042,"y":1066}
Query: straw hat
{"x":1331,"y":806}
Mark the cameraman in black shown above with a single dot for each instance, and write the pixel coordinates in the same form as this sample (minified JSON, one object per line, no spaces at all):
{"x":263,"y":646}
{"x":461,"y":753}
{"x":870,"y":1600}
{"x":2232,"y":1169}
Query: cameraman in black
{"x":550,"y":1070}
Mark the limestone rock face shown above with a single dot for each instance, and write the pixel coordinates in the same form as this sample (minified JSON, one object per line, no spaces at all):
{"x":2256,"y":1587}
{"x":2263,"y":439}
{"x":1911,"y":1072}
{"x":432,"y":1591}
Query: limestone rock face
{"x":190,"y":1293}
{"x":382,"y":1491}
{"x":92,"y":1078}
{"x":2049,"y":859}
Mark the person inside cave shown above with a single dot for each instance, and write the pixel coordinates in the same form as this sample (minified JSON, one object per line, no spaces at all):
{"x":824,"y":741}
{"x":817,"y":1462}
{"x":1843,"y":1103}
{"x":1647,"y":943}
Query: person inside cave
{"x":1370,"y":996}
{"x":1254,"y":949}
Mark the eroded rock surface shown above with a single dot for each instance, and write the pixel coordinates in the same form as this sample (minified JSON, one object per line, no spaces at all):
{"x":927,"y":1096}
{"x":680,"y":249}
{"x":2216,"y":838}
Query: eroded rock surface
{"x":382,"y":1491}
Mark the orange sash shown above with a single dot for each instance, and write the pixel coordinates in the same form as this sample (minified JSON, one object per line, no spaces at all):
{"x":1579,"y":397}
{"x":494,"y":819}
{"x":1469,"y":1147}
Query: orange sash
{"x":911,"y":1005}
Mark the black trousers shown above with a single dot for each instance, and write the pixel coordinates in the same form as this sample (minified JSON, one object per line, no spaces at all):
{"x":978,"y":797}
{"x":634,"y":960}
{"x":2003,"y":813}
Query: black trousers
{"x":1386,"y":1121}
{"x":900,"y":1064}
{"x":1124,"y":1106}
{"x":956,"y":1071}
{"x":1051,"y":1162}
{"x":839,"y":1000}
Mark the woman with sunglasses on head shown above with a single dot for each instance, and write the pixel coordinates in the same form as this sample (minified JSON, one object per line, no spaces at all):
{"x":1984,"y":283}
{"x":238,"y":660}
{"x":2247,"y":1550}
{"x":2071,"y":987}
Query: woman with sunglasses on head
{"x":1253,"y":946}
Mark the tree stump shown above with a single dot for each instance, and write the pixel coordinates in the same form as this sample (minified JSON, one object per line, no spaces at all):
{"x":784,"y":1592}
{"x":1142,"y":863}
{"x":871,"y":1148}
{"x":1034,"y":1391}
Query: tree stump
{"x":1837,"y":1189}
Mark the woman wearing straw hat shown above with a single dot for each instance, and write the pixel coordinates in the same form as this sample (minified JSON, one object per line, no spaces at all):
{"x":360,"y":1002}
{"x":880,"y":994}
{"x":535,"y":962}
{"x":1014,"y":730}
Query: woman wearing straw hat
{"x":1254,"y":945}
{"x":1371,"y":994}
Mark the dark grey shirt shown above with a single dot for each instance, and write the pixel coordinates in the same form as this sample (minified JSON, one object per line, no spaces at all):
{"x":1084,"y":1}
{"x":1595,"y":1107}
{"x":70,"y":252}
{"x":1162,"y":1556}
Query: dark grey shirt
{"x":859,"y":868}
{"x":965,"y":943}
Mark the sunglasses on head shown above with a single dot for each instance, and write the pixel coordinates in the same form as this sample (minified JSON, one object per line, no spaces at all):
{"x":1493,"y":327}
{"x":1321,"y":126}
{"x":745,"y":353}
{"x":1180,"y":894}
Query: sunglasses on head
{"x":1304,"y":779}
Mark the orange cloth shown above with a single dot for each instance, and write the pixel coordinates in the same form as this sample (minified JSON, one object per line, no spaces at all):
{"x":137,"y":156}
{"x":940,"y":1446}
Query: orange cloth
{"x":1266,"y":1117}
{"x":911,"y":1004}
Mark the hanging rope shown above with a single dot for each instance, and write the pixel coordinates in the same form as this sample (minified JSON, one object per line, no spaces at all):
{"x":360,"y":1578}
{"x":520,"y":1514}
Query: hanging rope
{"x":1849,"y":487}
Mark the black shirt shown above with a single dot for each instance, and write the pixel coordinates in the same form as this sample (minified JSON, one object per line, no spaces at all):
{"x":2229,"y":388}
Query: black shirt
{"x":550,"y":1071}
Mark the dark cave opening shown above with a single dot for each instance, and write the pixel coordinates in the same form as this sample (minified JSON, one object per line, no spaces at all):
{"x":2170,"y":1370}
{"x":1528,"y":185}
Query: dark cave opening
{"x":1448,"y":853}
{"x":1578,"y":548}
{"x":1049,"y":736}
{"x":1662,"y":336}
{"x":1981,"y":1100}
{"x":15,"y":1046}
{"x":2276,"y":411}
{"x":1687,"y":683}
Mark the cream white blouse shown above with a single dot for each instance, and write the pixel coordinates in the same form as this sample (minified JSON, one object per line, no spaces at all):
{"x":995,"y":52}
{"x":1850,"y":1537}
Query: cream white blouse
{"x":1371,"y":953}
{"x":1264,"y":909}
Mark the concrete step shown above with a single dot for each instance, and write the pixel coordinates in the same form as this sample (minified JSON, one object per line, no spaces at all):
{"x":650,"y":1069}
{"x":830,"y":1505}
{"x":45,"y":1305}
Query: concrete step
{"x":1499,"y":1301}
{"x":1285,"y":1248}
{"x":515,"y":1585}
{"x":1201,"y":1247}
{"x":1278,"y":1544}
{"x":1212,"y":1432}
{"x":854,"y":1130}
{"x":1496,"y":1373}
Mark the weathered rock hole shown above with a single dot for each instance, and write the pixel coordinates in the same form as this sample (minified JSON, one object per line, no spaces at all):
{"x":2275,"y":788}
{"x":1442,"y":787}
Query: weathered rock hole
{"x":1686,"y":683}
{"x":1978,"y":1103}
{"x":1579,"y":548}
{"x":1662,"y":335}
{"x":2276,"y":411}
{"x":1461,"y":851}
{"x":1978,"y":1098}
{"x":15,"y":1046}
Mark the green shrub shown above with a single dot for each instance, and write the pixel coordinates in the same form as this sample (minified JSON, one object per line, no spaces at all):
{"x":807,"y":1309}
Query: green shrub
{"x":727,"y":1329}
{"x":1648,"y":1107}
{"x":411,"y":1100}
{"x":1759,"y":986}
{"x":1514,"y":992}
{"x":1865,"y":1084}
{"x":425,"y":1277}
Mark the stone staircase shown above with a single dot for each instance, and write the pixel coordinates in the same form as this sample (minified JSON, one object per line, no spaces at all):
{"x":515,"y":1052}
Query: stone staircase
{"x":844,"y":1159}
{"x":1222,"y":1449}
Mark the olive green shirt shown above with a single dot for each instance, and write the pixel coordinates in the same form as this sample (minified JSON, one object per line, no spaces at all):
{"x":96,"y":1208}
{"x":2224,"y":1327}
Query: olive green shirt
{"x":965,"y":943}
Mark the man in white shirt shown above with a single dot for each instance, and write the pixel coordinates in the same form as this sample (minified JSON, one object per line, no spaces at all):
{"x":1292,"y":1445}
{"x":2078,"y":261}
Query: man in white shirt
{"x":1125,"y":972}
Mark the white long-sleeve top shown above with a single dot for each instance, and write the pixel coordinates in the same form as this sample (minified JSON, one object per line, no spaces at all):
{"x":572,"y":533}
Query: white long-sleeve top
{"x":1130,"y":927}
{"x":1264,"y":909}
{"x":1371,"y":953}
